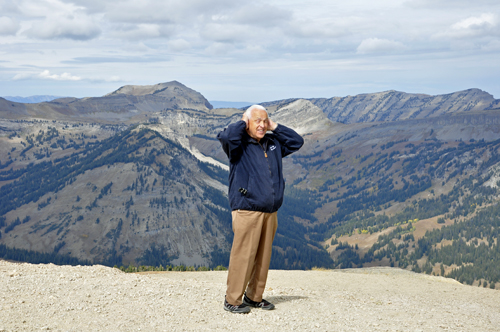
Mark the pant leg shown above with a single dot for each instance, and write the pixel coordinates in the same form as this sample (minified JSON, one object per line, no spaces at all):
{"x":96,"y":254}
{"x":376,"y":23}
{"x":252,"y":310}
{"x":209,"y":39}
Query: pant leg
{"x":258,"y":278}
{"x":247,"y":227}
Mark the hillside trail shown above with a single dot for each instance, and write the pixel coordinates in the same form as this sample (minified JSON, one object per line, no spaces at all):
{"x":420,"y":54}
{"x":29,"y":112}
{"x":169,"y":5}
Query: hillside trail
{"x":36,"y":297}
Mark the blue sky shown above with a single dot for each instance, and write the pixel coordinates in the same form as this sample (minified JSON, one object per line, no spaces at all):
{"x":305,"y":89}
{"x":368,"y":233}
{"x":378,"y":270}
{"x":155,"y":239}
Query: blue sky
{"x":249,"y":50}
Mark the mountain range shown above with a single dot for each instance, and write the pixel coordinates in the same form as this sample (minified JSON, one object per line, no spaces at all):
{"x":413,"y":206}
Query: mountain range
{"x":31,"y":99}
{"x":138,"y":177}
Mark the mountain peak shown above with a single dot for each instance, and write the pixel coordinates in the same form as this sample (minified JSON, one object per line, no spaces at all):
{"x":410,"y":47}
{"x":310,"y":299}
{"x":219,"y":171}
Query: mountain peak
{"x":141,"y":90}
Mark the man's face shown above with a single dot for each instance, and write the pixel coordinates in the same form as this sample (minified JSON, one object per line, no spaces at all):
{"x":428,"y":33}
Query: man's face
{"x":258,"y":124}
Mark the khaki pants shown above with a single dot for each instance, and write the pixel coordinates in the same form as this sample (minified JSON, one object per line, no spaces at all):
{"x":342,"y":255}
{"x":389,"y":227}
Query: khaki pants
{"x":250,"y":254}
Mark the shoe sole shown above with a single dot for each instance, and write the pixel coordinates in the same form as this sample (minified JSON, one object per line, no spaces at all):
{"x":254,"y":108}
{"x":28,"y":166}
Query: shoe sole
{"x":267,"y":308}
{"x":243,"y":311}
{"x":263,"y":308}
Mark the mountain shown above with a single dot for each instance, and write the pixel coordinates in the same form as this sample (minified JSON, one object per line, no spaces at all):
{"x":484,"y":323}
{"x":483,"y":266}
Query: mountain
{"x":230,"y":104}
{"x":129,"y":104}
{"x":138,"y":177}
{"x":31,"y":99}
{"x":394,"y":105}
{"x":118,"y":198}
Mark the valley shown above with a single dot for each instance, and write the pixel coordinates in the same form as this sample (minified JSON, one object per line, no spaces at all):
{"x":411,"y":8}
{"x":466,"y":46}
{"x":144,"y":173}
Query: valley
{"x":137,"y":177}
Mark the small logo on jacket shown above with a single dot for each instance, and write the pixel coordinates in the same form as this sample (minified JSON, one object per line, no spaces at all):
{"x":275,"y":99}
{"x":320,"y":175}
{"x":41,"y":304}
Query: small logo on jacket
{"x":272,"y":147}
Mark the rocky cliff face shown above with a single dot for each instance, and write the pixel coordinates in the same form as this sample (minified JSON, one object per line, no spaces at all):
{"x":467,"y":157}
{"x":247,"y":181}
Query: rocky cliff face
{"x":394,"y":105}
{"x":303,"y":116}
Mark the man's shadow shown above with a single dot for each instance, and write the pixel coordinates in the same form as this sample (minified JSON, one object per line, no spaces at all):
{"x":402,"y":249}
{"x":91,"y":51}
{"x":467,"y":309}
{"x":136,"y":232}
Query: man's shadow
{"x":284,"y":298}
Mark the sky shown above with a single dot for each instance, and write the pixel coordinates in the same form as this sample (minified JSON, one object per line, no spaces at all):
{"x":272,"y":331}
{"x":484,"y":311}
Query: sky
{"x":251,"y":51}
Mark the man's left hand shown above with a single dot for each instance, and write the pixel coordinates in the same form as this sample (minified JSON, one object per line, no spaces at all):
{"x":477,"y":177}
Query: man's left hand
{"x":272,"y":125}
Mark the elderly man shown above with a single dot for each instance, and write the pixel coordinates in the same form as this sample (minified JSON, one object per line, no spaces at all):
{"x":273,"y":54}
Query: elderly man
{"x":256,"y":188}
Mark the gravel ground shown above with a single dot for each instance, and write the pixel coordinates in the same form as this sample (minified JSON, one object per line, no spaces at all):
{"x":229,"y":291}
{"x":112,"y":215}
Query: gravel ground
{"x":98,"y":298}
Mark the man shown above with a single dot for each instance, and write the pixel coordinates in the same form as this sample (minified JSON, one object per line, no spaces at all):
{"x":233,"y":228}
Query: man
{"x":256,"y":188}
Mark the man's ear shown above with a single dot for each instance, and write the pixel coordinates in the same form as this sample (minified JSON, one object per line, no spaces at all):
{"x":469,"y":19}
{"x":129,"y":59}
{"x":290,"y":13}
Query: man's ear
{"x":245,"y":118}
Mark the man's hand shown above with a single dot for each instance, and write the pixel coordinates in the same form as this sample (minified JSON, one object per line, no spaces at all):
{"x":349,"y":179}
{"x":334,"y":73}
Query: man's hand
{"x":272,"y":125}
{"x":245,"y":118}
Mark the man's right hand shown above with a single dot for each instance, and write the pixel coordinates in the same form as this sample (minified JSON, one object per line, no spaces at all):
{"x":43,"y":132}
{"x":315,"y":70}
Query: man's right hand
{"x":245,"y":118}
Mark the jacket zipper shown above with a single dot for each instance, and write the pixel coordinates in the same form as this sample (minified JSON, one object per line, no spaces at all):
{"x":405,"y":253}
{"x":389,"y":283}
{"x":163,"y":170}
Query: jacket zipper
{"x":270,"y":172}
{"x":265,"y":153}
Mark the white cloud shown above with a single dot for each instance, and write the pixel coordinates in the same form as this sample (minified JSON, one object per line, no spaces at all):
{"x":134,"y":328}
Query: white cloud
{"x":46,"y":75}
{"x":22,"y":76}
{"x":76,"y":28}
{"x":492,"y":46}
{"x":375,"y":45}
{"x":262,"y":15}
{"x":219,"y":49}
{"x":8,"y":26}
{"x":225,"y":33}
{"x":485,"y":20}
{"x":112,"y":79}
{"x":141,"y":31}
{"x":63,"y":77}
{"x":179,"y":45}
{"x":472,"y":27}
{"x":173,"y":39}
{"x":315,"y":30}
{"x":165,"y":11}
{"x":446,"y":4}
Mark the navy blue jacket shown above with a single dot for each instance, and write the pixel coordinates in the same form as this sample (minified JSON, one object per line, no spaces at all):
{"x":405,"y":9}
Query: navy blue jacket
{"x":256,"y":181}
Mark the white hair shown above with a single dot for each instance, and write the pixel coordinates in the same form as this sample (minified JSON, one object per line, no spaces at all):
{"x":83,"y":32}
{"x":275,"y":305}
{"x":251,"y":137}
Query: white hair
{"x":249,"y":110}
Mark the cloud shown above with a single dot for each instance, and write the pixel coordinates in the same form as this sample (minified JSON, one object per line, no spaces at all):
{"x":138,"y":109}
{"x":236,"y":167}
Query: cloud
{"x":474,"y":28}
{"x":225,"y":33}
{"x":8,"y":7}
{"x":89,"y":6}
{"x":81,"y":28}
{"x":315,"y":30}
{"x":262,"y":15}
{"x":141,"y":31}
{"x":47,"y":76}
{"x":218,"y":49}
{"x":446,"y":4}
{"x":375,"y":45}
{"x":179,"y":45}
{"x":112,"y":79}
{"x":115,"y":59}
{"x":165,"y":11}
{"x":23,"y":76}
{"x":63,"y":77}
{"x":8,"y":26}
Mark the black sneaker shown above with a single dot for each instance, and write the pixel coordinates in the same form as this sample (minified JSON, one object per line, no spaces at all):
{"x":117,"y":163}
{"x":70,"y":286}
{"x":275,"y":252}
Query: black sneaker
{"x":236,"y":309}
{"x":265,"y":305}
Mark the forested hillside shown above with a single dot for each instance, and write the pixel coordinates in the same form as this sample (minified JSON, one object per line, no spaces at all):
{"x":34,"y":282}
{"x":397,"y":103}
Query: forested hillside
{"x":150,"y":189}
{"x":123,"y":199}
{"x":430,"y":207}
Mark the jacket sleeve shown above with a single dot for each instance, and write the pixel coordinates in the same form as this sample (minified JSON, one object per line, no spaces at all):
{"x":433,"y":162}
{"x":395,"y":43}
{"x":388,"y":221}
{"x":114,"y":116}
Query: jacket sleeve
{"x":290,"y":141}
{"x":230,"y":139}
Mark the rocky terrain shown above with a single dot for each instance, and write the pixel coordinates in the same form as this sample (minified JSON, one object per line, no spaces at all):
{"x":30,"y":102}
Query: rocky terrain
{"x":138,"y":177}
{"x":65,"y":298}
{"x":396,"y":105}
{"x":129,"y":104}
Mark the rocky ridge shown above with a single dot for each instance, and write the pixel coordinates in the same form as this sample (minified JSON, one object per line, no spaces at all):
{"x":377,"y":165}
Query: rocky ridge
{"x":395,"y":105}
{"x":168,"y":191}
{"x":129,"y":104}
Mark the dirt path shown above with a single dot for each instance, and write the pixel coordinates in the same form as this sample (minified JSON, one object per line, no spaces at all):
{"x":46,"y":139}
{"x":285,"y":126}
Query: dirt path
{"x":98,"y":298}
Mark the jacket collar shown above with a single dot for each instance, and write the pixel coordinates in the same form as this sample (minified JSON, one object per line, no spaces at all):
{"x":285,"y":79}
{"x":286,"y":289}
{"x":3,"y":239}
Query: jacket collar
{"x":263,"y":141}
